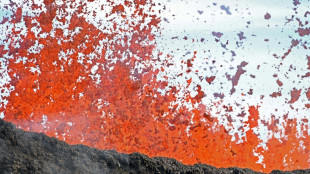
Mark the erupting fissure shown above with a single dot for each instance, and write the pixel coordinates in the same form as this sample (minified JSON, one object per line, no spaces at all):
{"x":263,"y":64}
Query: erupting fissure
{"x":87,"y":72}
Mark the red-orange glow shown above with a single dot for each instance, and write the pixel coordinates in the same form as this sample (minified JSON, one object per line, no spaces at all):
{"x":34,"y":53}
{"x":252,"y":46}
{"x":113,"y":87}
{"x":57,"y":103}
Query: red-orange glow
{"x":136,"y":118}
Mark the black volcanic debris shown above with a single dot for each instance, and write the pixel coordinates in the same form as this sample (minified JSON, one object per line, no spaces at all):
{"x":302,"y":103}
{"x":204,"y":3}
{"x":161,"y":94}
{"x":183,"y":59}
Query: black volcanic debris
{"x":217,"y":34}
{"x":200,"y":12}
{"x":241,"y":36}
{"x":267,"y":16}
{"x":28,"y":152}
{"x":226,"y":9}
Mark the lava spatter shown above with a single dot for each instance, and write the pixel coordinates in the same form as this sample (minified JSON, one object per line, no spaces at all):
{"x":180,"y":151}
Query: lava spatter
{"x":110,"y":75}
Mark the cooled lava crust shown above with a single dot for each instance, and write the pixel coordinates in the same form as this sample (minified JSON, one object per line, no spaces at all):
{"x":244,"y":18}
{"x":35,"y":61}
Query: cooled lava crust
{"x":29,"y":152}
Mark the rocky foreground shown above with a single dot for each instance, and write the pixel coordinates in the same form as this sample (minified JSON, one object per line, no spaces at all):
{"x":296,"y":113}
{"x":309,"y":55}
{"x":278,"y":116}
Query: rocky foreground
{"x":29,"y":152}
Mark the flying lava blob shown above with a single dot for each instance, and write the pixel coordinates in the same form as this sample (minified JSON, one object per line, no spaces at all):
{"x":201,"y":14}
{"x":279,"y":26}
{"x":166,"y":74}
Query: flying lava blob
{"x":221,"y":83}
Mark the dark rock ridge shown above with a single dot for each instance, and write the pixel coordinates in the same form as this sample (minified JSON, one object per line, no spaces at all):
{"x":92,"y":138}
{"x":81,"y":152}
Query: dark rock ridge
{"x":28,"y":152}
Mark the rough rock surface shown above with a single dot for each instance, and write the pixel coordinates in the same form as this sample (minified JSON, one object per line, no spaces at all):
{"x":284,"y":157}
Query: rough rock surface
{"x":28,"y":152}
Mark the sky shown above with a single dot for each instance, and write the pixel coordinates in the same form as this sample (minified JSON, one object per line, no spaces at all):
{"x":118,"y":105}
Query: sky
{"x":198,"y":19}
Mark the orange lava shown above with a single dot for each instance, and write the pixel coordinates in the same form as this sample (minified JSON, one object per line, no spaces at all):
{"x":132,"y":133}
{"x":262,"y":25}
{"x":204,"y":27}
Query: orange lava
{"x":136,"y":117}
